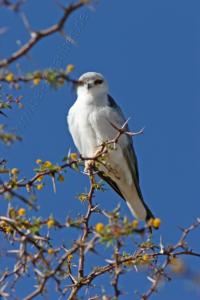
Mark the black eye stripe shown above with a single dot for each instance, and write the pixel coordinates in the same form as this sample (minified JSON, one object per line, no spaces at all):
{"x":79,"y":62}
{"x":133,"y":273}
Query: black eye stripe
{"x":98,"y":81}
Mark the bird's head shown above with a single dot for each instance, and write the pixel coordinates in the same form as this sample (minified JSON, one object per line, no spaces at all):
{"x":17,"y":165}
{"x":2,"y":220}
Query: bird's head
{"x":93,"y":84}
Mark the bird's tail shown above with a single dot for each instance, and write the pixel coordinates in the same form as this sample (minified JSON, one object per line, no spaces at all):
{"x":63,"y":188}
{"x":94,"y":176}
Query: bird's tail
{"x":136,"y":204}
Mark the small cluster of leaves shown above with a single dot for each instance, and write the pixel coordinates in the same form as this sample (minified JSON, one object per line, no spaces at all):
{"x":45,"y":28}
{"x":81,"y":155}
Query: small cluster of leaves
{"x":18,"y":220}
{"x":7,"y":100}
{"x":117,"y":228}
{"x":7,"y":137}
{"x":6,"y":103}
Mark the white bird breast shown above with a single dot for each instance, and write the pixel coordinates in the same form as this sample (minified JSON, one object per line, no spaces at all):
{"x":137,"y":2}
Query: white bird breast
{"x":90,"y":127}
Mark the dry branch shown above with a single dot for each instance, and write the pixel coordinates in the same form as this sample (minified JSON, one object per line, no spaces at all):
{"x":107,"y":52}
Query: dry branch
{"x":39,"y":35}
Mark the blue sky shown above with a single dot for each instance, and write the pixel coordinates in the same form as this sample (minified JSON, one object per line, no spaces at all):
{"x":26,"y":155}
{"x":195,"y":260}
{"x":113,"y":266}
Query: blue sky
{"x":149,"y":53}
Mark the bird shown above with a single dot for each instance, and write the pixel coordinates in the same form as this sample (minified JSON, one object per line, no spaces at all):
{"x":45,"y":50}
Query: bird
{"x":92,"y":120}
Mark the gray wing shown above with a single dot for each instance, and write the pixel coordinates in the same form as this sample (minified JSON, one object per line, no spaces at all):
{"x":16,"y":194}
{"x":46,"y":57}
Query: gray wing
{"x":111,"y":183}
{"x":129,"y":152}
{"x":130,"y":157}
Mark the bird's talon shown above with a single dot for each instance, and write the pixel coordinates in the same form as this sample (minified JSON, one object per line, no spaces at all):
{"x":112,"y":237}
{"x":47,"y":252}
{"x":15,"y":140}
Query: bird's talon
{"x":88,"y":165}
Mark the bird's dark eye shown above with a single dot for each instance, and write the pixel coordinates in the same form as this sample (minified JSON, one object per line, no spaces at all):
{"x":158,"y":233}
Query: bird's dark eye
{"x":98,"y":81}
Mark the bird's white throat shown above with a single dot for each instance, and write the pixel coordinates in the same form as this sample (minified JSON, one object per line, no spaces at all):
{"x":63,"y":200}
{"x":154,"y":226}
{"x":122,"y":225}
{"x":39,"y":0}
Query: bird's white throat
{"x":95,"y":95}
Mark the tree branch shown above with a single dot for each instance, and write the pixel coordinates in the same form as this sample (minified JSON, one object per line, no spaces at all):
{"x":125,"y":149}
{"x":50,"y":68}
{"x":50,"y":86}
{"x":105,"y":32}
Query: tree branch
{"x":37,"y":36}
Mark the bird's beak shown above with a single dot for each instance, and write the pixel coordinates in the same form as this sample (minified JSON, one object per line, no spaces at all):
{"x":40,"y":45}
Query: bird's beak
{"x":78,"y":83}
{"x":89,"y":85}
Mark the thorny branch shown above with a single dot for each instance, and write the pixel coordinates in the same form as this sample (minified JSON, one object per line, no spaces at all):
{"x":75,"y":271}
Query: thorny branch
{"x":39,"y":35}
{"x":68,"y":265}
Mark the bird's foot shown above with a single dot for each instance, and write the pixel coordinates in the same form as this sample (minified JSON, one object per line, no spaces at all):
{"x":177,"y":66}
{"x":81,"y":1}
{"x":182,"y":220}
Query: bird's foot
{"x":88,"y":165}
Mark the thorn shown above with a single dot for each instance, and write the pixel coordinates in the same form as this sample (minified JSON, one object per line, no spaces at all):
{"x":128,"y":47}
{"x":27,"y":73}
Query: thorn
{"x":26,"y":23}
{"x":68,"y":38}
{"x":53,"y":182}
{"x":60,"y":5}
{"x":2,"y":113}
{"x":72,"y":279}
{"x":126,"y":123}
